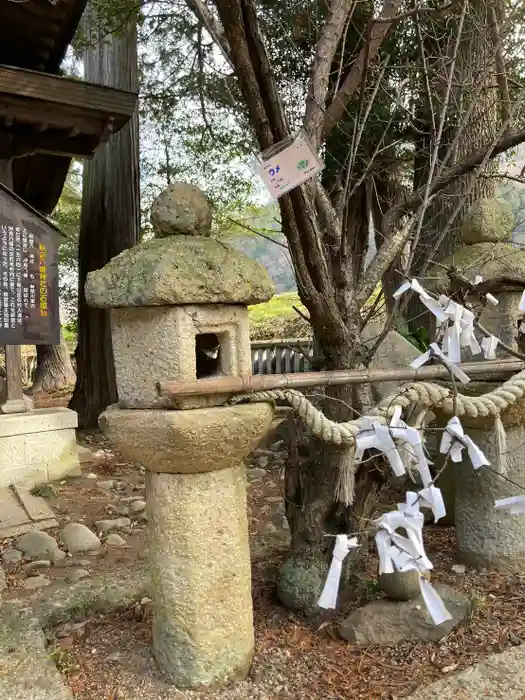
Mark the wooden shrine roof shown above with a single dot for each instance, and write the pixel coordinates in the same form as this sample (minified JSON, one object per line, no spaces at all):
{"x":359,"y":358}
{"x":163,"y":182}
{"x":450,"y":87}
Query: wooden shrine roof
{"x":57,"y":115}
{"x":35,"y":34}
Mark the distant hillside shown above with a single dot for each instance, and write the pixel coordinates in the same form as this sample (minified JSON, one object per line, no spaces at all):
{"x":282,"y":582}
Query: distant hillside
{"x":267,"y":250}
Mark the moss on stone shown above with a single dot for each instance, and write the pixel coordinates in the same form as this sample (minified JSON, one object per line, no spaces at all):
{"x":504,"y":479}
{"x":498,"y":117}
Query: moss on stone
{"x":487,"y":220}
{"x":179,"y":270}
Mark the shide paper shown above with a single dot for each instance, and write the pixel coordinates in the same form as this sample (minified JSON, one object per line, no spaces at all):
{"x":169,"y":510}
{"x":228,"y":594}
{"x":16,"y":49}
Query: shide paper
{"x":435,"y":351}
{"x":397,"y":552}
{"x":343,"y":544}
{"x":454,"y":441}
{"x":515,"y":505}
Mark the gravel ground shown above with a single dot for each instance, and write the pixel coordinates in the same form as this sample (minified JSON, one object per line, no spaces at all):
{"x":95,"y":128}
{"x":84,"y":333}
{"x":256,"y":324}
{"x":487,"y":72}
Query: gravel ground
{"x":109,"y":657}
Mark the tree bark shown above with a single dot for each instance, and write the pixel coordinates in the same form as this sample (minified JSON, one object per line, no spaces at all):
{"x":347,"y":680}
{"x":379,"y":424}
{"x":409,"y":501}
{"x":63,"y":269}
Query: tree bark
{"x":109,"y":221}
{"x":54,"y":371}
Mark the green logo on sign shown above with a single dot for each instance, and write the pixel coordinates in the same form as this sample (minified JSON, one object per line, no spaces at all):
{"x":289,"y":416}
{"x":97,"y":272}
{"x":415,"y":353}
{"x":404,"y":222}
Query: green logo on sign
{"x":302,"y":164}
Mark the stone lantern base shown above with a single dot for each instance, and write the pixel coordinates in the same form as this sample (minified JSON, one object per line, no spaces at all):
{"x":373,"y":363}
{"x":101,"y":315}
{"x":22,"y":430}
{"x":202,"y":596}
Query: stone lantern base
{"x":198,"y":533}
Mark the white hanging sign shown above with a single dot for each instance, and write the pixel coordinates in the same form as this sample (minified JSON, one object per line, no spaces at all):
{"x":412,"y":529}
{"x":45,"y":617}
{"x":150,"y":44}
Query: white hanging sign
{"x":288,"y":164}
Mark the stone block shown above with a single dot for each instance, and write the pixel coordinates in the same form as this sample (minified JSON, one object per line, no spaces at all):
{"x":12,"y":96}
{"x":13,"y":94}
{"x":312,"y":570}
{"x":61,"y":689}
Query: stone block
{"x":159,"y":343}
{"x":179,"y":270}
{"x":395,"y":352}
{"x":486,"y":537}
{"x":37,"y":447}
{"x":187,"y":441}
{"x":200,"y":576}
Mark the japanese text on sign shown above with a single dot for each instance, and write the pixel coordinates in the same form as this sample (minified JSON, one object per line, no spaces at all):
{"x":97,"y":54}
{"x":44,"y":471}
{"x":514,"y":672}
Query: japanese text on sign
{"x":28,"y":280}
{"x":292,"y":165}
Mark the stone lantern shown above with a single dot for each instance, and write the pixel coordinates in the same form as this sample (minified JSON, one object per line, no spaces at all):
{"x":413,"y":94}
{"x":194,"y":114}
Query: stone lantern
{"x":179,"y":311}
{"x":485,"y":536}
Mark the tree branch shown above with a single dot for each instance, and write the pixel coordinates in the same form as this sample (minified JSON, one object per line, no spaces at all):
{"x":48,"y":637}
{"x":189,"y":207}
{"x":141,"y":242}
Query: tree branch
{"x":379,"y":28}
{"x":395,"y":240}
{"x":202,"y":12}
{"x":318,"y":86}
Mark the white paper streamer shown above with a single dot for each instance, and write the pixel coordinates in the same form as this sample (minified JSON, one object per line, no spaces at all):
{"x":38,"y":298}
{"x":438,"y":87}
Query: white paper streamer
{"x":435,"y":351}
{"x":343,"y":544}
{"x":489,"y":346}
{"x":522,"y":302}
{"x":431,"y":497}
{"x":432,"y":305}
{"x":435,"y":606}
{"x":515,"y":505}
{"x":381,"y":437}
{"x":454,"y":441}
{"x":400,"y":553}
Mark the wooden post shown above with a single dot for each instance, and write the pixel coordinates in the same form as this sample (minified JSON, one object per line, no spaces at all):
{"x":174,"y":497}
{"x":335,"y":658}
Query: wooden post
{"x":15,"y":402}
{"x":493,"y":370}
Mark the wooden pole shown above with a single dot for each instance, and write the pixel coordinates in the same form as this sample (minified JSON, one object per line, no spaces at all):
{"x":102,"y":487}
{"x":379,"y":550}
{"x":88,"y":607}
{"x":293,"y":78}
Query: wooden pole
{"x":14,"y":402}
{"x":492,"y":369}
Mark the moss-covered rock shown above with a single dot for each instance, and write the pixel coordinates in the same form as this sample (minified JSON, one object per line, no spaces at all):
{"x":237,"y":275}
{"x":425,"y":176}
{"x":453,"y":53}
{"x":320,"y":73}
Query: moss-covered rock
{"x":179,"y":270}
{"x":301,"y":581}
{"x":181,"y":209}
{"x":487,"y":220}
{"x":401,"y":585}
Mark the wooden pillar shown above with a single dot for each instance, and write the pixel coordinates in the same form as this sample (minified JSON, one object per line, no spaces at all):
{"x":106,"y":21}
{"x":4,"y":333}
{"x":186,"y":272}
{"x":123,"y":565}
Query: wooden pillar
{"x":15,"y":402}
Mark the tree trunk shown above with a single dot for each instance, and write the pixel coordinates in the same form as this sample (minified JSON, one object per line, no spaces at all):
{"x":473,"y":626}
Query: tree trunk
{"x":54,"y":371}
{"x":109,"y":222}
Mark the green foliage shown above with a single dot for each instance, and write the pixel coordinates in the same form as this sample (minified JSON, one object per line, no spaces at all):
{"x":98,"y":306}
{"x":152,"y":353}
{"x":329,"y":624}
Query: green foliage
{"x":279,"y":306}
{"x":420,"y":337}
{"x":67,"y":217}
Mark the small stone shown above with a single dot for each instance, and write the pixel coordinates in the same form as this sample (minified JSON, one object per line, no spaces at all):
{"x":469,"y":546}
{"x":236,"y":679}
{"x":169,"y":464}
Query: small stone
{"x":104,"y":526}
{"x":39,"y":545}
{"x":77,"y":575}
{"x":31,"y":584}
{"x":400,"y":585}
{"x":181,"y":209}
{"x":11,"y":556}
{"x":79,"y":538}
{"x":91,"y":475}
{"x":122,"y":509}
{"x":137,"y":506}
{"x":106,"y":485}
{"x":66,"y":642}
{"x":458,"y":568}
{"x":277,"y":446}
{"x":115,"y":656}
{"x":255,"y":474}
{"x":36,"y":566}
{"x":115,"y":540}
{"x":262,"y":462}
{"x":386,"y":622}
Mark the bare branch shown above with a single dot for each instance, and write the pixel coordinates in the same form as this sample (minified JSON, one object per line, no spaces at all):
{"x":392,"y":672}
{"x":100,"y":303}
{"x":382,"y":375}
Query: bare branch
{"x":378,"y":31}
{"x":501,"y":69}
{"x":326,"y":47}
{"x":395,"y":239}
{"x":202,"y":12}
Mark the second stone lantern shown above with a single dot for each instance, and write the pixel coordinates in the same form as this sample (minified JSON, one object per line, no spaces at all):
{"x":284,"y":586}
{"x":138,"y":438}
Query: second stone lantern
{"x":179,"y":311}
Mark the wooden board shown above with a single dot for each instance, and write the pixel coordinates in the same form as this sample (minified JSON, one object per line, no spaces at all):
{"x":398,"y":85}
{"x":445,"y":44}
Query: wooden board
{"x":53,"y":89}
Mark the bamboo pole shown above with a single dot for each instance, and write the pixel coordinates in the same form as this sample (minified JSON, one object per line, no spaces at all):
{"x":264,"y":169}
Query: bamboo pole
{"x":210,"y":386}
